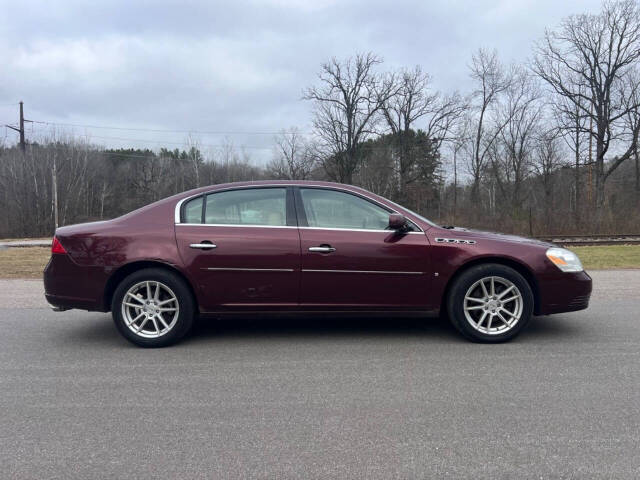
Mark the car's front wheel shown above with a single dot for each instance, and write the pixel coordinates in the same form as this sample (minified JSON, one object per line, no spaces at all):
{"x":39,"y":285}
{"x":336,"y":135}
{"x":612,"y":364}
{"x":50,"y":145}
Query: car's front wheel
{"x":153,"y":308}
{"x":490,"y":303}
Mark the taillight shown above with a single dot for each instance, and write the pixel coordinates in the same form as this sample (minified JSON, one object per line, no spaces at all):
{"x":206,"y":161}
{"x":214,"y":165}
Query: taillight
{"x":56,"y":246}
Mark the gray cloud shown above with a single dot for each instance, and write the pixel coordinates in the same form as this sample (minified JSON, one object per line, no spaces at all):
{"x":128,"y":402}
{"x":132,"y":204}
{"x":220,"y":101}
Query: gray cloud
{"x":234,"y":66}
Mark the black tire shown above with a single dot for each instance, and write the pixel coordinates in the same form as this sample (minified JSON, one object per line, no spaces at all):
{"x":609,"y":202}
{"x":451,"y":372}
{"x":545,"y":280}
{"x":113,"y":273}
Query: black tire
{"x":456,"y":299}
{"x":186,"y":307}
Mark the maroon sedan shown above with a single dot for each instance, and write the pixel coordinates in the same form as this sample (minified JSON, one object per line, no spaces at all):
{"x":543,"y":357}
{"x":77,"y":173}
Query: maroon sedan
{"x":303,"y":246}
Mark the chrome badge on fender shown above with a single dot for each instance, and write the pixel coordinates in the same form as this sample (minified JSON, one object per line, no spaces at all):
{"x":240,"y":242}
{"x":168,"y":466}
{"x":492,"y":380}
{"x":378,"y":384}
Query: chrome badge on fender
{"x":455,"y":240}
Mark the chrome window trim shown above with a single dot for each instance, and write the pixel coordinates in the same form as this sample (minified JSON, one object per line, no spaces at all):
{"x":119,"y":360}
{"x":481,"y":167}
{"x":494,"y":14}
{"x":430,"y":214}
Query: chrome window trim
{"x":179,"y":207}
{"x":232,"y":225}
{"x":358,"y":230}
{"x":383,"y":272}
{"x":284,"y":185}
{"x":291,"y":226}
{"x":177,"y":218}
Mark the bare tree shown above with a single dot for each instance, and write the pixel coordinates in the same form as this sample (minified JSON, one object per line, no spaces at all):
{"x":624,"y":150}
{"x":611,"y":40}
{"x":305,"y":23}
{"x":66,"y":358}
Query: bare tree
{"x":632,"y":122}
{"x":293,"y":159}
{"x":586,"y":61}
{"x":547,"y":158}
{"x":459,"y":139}
{"x":490,"y":81}
{"x":573,"y":126}
{"x":347,"y":101}
{"x":520,"y":113}
{"x":413,"y":102}
{"x":194,"y":155}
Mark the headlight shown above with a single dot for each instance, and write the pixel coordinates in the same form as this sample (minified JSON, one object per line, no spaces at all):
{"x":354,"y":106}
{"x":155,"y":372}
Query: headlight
{"x":564,"y":259}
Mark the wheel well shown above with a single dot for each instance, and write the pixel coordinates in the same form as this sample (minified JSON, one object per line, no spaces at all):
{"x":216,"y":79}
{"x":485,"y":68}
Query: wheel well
{"x":518,"y":267}
{"x":125,"y":270}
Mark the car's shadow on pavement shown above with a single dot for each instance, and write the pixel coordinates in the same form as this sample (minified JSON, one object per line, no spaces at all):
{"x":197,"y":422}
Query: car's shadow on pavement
{"x":100,"y":330}
{"x":426,"y":329}
{"x":327,"y":326}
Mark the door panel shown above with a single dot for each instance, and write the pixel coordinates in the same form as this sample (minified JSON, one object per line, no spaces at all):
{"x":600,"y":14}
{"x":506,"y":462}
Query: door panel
{"x":366,"y":269}
{"x":242,"y":247}
{"x":250,"y":266}
{"x":349,"y":260}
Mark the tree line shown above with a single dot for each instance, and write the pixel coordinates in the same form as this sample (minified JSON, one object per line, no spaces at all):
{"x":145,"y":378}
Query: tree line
{"x":546,"y":146}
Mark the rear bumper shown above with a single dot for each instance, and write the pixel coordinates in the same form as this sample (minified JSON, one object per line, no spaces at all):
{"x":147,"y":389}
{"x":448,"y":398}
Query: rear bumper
{"x":68,"y":285}
{"x":568,"y":292}
{"x":60,"y":304}
{"x":56,"y":308}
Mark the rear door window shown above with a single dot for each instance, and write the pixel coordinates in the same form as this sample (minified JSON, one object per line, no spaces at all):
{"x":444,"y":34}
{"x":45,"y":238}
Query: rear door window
{"x":252,"y":206}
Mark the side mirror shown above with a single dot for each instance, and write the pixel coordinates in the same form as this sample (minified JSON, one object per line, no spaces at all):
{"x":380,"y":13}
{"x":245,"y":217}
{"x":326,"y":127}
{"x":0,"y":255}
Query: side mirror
{"x":397,"y":222}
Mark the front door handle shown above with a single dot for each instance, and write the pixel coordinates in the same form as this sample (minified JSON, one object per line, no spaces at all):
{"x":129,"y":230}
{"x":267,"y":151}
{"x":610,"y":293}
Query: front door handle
{"x":204,"y":245}
{"x":322,"y":249}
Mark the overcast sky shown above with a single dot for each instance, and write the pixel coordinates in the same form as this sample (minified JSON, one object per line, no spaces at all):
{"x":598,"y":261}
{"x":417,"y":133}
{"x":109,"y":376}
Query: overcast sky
{"x":232,"y":66}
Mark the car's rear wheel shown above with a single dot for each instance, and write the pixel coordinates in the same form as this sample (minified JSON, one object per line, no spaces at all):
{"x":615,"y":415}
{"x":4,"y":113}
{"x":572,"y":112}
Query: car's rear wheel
{"x":153,"y":308}
{"x":490,"y":303}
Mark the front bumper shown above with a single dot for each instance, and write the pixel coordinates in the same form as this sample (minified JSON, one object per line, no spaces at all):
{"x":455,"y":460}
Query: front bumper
{"x":566,"y":292}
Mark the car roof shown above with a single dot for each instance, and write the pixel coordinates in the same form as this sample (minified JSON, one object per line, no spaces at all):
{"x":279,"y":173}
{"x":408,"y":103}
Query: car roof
{"x":223,"y":186}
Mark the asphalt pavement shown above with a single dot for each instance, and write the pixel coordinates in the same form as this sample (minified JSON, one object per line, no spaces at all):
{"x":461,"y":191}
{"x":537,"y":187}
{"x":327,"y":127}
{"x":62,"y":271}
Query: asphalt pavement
{"x":321,"y":398}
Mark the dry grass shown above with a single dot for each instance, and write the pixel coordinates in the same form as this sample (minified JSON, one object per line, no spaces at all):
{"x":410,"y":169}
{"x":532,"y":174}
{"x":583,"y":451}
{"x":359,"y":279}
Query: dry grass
{"x":46,"y":239}
{"x":609,"y":256}
{"x":29,"y":262}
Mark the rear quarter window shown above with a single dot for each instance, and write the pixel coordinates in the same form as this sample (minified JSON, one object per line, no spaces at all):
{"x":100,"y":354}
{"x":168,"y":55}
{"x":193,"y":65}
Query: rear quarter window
{"x":192,"y":212}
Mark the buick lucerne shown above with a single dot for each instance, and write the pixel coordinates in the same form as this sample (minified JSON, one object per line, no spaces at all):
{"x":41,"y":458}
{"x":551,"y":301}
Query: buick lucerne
{"x":302,"y":246}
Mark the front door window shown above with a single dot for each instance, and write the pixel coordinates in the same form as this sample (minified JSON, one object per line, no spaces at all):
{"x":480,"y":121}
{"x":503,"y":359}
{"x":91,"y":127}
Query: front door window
{"x":334,"y":209}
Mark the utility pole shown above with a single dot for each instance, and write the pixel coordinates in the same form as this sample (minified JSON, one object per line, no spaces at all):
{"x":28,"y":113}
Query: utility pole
{"x":20,"y":129}
{"x":590,"y":154}
{"x":54,"y":182}
{"x":22,"y":144}
{"x":455,"y":183}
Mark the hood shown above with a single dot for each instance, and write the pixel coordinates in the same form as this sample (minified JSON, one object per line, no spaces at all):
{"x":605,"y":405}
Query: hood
{"x":501,"y":237}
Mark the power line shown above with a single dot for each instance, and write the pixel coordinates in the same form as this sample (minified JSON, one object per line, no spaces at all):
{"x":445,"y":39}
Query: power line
{"x":230,"y":145}
{"x":182,"y":143}
{"x":124,"y":154}
{"x":157,"y":130}
{"x":164,"y":142}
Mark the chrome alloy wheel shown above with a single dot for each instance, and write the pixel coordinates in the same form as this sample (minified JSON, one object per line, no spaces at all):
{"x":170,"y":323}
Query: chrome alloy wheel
{"x":150,"y":309}
{"x":493,"y":305}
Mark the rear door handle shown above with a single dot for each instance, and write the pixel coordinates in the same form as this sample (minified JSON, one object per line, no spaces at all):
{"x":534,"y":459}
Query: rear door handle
{"x":204,"y":245}
{"x":322,"y":249}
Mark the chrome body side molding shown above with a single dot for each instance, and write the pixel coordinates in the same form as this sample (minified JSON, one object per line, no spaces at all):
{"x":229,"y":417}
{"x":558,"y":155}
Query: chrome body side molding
{"x":379,"y":272}
{"x":230,"y":269}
